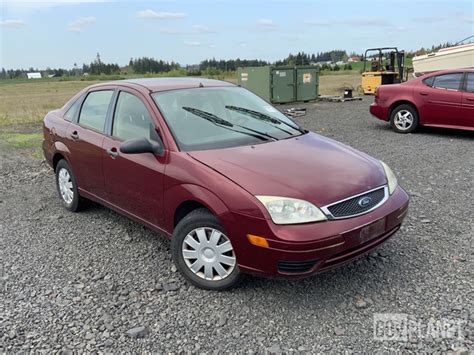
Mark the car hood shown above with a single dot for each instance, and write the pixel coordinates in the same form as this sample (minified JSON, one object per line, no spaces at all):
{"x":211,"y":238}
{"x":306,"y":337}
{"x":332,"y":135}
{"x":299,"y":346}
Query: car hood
{"x":309,"y":167}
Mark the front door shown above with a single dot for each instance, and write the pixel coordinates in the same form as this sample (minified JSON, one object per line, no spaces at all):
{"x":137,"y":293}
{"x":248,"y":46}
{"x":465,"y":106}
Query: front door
{"x":84,"y":141}
{"x":467,"y":108}
{"x":442,"y":101}
{"x":134,"y":182}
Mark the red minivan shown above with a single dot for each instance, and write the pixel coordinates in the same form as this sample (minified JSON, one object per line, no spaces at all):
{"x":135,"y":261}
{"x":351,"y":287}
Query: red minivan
{"x":236,"y":185}
{"x":440,"y":99}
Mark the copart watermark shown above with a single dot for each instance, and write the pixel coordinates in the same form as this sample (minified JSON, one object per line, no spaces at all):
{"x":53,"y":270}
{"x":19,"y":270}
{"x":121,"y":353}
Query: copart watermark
{"x":402,"y":327}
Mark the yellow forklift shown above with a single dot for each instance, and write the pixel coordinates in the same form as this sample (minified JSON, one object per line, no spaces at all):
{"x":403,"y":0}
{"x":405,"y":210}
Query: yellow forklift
{"x":387,"y":66}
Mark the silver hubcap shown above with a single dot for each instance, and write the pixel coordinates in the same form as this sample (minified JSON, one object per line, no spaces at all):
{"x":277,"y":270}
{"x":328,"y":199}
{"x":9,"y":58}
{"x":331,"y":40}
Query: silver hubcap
{"x":208,"y":254}
{"x":403,"y":120}
{"x":65,"y":185}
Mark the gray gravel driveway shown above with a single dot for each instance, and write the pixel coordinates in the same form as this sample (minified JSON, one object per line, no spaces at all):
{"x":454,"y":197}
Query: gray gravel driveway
{"x":96,"y":281}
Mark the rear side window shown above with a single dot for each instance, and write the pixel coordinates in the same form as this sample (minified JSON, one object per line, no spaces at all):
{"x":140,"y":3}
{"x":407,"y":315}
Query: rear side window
{"x":448,"y":81}
{"x":470,"y":82}
{"x":94,"y":109}
{"x":71,"y":113}
{"x":131,"y":119}
{"x":429,"y":81}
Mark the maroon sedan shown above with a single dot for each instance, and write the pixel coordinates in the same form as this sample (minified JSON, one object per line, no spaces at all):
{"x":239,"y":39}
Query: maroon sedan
{"x":236,"y":185}
{"x":440,"y":99}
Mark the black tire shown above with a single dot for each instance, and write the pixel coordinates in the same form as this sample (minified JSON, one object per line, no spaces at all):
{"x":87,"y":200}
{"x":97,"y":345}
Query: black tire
{"x":395,"y":123}
{"x":200,"y":218}
{"x":77,"y":202}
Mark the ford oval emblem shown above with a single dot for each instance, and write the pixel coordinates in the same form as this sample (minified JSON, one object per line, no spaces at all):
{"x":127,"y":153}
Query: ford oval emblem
{"x":365,"y":201}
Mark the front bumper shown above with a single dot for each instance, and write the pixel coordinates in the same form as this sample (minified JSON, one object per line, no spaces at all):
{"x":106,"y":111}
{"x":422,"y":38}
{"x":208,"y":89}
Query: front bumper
{"x":301,"y":250}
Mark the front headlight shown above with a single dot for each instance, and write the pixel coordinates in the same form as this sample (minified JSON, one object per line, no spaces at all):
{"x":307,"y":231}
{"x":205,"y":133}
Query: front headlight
{"x":391,"y":178}
{"x":284,"y":210}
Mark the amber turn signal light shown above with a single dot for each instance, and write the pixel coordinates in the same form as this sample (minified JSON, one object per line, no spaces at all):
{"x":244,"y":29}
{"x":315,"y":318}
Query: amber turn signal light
{"x":258,"y":241}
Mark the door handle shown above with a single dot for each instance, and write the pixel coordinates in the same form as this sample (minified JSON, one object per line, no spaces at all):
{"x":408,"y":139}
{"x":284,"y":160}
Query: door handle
{"x":470,"y":98}
{"x":113,"y":152}
{"x":423,"y":93}
{"x":74,"y":135}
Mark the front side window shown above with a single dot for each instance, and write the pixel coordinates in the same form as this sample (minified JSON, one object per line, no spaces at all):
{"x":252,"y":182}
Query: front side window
{"x":448,"y":81}
{"x":222,"y":117}
{"x":470,"y":82}
{"x":131,"y":119}
{"x":94,"y":110}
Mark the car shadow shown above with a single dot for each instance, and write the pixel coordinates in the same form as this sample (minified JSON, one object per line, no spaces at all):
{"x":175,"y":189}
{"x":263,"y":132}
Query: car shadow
{"x":446,"y":132}
{"x":432,"y":131}
{"x":364,"y":276}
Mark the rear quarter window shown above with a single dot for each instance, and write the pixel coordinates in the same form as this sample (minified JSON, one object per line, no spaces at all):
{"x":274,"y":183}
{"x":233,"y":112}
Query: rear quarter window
{"x":72,"y":111}
{"x":429,"y":81}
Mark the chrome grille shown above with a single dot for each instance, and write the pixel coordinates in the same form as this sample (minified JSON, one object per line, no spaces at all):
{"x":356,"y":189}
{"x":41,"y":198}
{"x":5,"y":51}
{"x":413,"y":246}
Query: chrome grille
{"x":356,"y":205}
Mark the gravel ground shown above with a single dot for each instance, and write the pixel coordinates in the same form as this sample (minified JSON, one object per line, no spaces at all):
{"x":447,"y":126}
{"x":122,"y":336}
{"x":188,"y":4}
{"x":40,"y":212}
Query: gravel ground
{"x":96,"y":281}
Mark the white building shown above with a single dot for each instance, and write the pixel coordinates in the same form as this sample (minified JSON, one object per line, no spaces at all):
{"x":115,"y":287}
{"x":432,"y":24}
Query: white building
{"x":33,"y":75}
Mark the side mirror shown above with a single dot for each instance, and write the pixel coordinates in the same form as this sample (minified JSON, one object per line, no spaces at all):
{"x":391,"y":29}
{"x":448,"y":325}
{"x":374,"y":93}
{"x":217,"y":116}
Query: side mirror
{"x":142,"y":145}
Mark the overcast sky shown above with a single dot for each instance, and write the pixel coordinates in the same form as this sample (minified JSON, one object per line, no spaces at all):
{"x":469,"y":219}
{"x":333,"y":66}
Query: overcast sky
{"x":59,"y":33}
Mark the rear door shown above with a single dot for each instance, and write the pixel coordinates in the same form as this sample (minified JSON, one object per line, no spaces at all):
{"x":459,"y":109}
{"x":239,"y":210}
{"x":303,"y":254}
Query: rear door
{"x":442,"y":100}
{"x":134,"y":182}
{"x":467,"y":109}
{"x":84,"y":141}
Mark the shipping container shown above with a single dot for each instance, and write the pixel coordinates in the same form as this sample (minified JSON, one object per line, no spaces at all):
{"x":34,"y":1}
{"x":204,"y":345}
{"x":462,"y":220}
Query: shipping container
{"x":281,"y":84}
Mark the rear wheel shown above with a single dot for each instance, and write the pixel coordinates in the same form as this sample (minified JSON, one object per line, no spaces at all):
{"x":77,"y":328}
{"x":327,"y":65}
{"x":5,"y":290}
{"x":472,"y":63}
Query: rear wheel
{"x":404,"y":119}
{"x":203,"y":253}
{"x":67,"y":187}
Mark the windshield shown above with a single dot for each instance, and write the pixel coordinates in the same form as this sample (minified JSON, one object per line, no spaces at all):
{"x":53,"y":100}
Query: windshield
{"x":222,"y":117}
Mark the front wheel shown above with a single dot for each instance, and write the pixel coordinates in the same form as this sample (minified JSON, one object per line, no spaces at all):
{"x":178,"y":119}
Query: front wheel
{"x":203,"y":253}
{"x":404,"y":119}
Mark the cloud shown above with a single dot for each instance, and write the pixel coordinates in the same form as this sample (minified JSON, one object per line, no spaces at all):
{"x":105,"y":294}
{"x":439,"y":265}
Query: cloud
{"x":243,"y":44}
{"x":366,"y":23}
{"x":159,"y":15}
{"x":351,"y":22}
{"x":202,"y":29}
{"x":212,"y":45}
{"x":192,"y":43}
{"x":168,"y":31}
{"x":266,"y":25}
{"x":81,"y":24}
{"x":318,"y":23}
{"x":12,"y":23}
{"x":429,"y":19}
{"x":468,"y":19}
{"x":41,"y":4}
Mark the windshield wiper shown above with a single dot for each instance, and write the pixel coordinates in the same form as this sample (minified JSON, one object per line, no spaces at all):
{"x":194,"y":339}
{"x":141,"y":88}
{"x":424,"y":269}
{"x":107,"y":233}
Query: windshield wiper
{"x":263,"y":117}
{"x":227,"y":125}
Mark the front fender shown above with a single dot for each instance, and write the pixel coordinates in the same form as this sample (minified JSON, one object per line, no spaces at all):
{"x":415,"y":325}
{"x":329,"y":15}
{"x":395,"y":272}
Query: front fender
{"x":178,"y":194}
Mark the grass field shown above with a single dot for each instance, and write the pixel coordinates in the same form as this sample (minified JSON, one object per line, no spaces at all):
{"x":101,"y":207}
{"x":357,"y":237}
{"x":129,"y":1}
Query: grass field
{"x":28,"y":102}
{"x":24,"y":103}
{"x":335,"y":84}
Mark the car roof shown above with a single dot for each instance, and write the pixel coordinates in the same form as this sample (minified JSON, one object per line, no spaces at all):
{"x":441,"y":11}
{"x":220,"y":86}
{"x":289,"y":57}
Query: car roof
{"x":164,"y":84}
{"x":448,"y":71}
